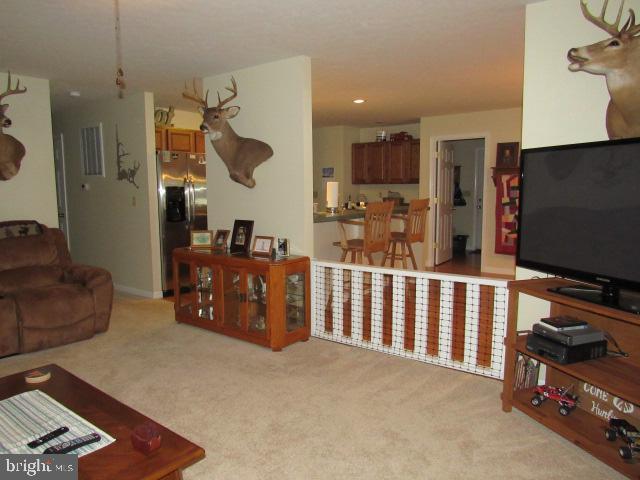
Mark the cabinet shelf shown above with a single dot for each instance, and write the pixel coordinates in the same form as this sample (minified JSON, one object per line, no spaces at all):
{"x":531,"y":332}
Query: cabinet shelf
{"x":583,"y":429}
{"x":615,"y":375}
{"x":620,"y":374}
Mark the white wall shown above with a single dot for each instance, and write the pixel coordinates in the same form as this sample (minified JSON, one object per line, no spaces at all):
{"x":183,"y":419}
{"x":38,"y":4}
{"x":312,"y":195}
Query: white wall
{"x":31,"y":194}
{"x":275,"y":101}
{"x":559,"y":106}
{"x":113,"y":224}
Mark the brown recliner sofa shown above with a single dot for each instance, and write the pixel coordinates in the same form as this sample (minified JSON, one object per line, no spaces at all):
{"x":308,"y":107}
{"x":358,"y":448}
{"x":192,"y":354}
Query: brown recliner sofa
{"x":46,"y":300}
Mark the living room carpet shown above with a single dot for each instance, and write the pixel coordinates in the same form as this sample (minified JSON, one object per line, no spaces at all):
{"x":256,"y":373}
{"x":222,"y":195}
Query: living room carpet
{"x":316,"y":410}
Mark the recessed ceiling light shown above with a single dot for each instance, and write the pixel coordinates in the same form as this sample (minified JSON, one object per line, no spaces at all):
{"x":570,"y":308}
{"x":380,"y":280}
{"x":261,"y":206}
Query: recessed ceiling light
{"x":359,"y":100}
{"x":74,"y":93}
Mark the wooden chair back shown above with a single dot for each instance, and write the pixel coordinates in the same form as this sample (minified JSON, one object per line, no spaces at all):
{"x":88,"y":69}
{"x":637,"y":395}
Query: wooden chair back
{"x":416,"y":223}
{"x":377,"y":227}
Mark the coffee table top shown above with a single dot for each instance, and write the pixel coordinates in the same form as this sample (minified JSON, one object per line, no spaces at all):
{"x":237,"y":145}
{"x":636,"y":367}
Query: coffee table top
{"x":118,"y":460}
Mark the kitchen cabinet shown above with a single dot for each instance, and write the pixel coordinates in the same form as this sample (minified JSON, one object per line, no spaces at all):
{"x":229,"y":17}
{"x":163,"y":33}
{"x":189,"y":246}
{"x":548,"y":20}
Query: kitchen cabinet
{"x":414,"y":162}
{"x":258,"y":300}
{"x":181,"y":140}
{"x":385,"y":162}
{"x":161,"y":138}
{"x":199,"y":141}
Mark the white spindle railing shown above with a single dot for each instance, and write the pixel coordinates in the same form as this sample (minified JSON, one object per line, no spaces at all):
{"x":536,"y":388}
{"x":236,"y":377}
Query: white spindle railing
{"x":373,"y":309}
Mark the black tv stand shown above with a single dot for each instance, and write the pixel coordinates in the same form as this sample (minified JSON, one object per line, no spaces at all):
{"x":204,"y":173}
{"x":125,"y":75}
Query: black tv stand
{"x":608,"y":295}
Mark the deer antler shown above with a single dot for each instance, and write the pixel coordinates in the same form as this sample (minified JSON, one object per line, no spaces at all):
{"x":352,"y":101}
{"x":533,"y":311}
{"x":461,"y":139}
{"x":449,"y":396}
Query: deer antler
{"x":195,"y":96}
{"x":10,"y":91}
{"x":630,"y":28}
{"x":611,"y":28}
{"x":233,"y":90}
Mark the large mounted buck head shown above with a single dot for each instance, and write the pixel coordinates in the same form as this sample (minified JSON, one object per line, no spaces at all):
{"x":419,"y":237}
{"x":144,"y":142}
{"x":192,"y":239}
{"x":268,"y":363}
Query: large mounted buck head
{"x":11,"y":150}
{"x":240,"y":155}
{"x":618,"y":59}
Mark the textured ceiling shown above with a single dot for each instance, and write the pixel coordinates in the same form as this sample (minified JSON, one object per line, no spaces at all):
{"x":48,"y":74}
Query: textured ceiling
{"x":408,"y":58}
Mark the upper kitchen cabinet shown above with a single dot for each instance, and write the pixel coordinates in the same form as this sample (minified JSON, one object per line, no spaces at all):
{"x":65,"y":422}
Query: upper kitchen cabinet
{"x":199,"y":141}
{"x":414,"y":162}
{"x":385,"y":162}
{"x":161,"y":138}
{"x":181,"y":140}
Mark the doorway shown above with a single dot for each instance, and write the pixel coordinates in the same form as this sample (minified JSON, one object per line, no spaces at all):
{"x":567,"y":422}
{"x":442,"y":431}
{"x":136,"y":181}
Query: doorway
{"x":459,"y":184}
{"x":61,"y":185}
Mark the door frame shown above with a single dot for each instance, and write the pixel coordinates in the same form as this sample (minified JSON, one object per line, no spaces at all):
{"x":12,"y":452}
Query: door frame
{"x":477,"y":182}
{"x":434,"y":143}
{"x":61,"y":190}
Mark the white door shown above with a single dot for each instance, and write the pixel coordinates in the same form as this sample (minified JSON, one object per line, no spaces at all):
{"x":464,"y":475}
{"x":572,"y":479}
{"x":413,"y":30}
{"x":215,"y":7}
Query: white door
{"x":444,"y":205}
{"x":478,"y":188}
{"x":61,"y":184}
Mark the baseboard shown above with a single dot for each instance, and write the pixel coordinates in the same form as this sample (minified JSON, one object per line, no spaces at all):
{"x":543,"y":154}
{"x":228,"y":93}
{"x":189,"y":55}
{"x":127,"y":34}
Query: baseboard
{"x":137,"y":292}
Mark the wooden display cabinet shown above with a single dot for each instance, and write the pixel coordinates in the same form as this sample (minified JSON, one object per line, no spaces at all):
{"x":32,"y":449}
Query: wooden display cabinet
{"x":614,"y":374}
{"x":255,"y":299}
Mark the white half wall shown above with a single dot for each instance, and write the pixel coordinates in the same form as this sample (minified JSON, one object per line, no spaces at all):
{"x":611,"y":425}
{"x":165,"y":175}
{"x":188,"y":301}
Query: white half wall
{"x":275,"y":101}
{"x":31,"y":194}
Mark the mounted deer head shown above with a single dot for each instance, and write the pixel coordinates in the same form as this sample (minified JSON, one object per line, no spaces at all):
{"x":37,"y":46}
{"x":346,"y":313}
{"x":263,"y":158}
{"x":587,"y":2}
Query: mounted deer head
{"x":11,"y":150}
{"x":240,"y":155}
{"x":618,"y":59}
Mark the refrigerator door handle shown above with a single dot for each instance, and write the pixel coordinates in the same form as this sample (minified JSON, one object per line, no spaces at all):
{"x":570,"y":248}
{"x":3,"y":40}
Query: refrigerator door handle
{"x":187,"y":201}
{"x":192,"y":189}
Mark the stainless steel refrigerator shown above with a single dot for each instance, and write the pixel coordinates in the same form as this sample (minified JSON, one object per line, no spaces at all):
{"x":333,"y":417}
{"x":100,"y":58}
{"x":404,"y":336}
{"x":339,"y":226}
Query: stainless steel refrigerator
{"x":182,"y":204}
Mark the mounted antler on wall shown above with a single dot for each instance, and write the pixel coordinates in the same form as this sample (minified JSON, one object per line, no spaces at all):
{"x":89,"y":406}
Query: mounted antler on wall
{"x":240,"y":155}
{"x":618,"y":59}
{"x":128,"y":174}
{"x":11,"y":150}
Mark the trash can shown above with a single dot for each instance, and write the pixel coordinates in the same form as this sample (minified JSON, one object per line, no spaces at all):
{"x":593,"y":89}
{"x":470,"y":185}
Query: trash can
{"x":460,"y":244}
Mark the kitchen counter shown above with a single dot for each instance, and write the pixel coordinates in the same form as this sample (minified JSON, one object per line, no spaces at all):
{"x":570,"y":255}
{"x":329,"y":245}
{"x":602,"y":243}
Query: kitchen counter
{"x":350,"y":214}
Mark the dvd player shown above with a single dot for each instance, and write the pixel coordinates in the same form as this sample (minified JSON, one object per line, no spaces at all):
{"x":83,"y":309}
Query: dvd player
{"x":565,"y":353}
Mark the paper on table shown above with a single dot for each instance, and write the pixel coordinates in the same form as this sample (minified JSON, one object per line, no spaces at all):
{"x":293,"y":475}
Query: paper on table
{"x":30,"y":415}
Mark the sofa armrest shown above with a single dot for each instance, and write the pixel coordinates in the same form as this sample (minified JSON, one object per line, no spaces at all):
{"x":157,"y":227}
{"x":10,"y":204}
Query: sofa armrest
{"x":99,"y":282}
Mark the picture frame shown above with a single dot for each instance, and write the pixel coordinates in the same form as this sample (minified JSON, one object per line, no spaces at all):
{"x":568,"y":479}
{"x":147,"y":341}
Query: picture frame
{"x":508,"y":155}
{"x":220,"y":240}
{"x":262,"y":246}
{"x":201,"y":238}
{"x":241,"y":237}
{"x":283,"y":247}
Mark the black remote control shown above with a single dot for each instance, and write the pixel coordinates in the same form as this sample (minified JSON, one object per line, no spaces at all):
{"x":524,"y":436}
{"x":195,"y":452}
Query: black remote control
{"x":49,"y":436}
{"x":70,"y":445}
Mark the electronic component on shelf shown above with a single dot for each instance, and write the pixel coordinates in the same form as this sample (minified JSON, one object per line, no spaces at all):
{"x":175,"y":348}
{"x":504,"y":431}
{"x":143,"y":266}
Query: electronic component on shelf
{"x":565,"y":353}
{"x":570,"y":337}
{"x":563,"y":323}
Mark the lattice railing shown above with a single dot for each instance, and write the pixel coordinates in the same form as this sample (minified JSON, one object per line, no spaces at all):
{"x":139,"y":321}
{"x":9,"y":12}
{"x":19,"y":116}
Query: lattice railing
{"x":448,"y":320}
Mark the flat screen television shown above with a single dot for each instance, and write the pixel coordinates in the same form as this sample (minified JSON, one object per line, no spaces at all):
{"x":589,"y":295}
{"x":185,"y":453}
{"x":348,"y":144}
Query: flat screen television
{"x":579,"y":217}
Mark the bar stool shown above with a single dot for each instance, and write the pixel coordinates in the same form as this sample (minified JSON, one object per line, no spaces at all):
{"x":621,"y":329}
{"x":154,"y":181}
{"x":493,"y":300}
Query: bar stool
{"x":414,"y":229}
{"x":377,"y":226}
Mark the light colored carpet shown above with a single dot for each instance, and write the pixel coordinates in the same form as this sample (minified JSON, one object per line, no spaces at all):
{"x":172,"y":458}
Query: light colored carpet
{"x":315,"y":410}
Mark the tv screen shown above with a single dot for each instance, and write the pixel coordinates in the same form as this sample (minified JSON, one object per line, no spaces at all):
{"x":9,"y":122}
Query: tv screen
{"x":579,"y":213}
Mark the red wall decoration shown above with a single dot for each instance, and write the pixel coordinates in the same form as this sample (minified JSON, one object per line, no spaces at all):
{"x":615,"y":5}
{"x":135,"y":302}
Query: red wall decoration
{"x":507,"y":193}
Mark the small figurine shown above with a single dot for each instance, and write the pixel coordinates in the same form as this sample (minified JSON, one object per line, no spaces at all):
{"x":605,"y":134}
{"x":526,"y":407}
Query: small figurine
{"x":629,"y":434}
{"x":567,"y":402}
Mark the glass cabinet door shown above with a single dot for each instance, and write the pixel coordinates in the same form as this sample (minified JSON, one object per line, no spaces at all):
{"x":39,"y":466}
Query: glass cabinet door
{"x":234,"y":288}
{"x":295,"y":301}
{"x":205,"y":292}
{"x":257,"y":304}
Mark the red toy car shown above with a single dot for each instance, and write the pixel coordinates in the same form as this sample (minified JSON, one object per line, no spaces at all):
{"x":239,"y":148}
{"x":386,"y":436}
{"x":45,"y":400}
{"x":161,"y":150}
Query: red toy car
{"x":567,"y":402}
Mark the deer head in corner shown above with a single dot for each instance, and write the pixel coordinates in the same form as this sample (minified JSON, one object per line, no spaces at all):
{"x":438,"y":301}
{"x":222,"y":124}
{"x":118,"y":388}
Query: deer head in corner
{"x":11,"y":150}
{"x":618,"y":59}
{"x":240,"y":155}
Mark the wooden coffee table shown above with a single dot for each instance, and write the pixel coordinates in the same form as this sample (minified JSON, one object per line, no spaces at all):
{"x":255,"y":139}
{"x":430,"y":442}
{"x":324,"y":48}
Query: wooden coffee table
{"x":118,"y":460}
